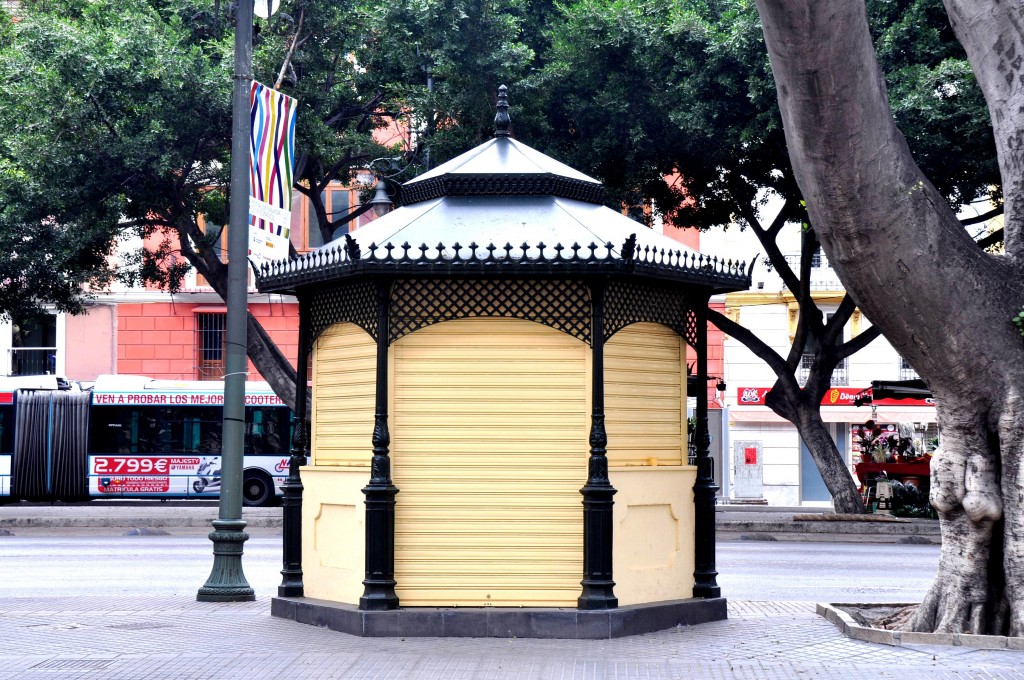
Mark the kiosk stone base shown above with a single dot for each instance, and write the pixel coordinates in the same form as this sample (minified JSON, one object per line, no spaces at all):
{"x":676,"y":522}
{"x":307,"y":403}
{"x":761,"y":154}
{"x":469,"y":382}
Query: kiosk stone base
{"x":501,"y":621}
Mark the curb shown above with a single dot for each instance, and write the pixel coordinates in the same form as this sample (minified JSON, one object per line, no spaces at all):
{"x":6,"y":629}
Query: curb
{"x":896,"y":638}
{"x":908,"y":532}
{"x":98,"y":517}
{"x":863,"y":528}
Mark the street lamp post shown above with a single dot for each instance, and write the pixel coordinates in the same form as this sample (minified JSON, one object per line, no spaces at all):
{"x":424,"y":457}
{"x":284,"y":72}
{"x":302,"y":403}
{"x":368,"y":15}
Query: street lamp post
{"x":227,"y":581}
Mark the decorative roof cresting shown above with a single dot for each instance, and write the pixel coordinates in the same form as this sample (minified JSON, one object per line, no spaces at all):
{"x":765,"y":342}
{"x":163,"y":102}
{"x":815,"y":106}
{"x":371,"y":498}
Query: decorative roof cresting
{"x":502,"y":121}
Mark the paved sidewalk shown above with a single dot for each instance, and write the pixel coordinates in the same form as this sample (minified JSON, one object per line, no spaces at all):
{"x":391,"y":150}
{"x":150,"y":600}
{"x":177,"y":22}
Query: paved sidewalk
{"x":165,"y":634}
{"x":163,"y":638}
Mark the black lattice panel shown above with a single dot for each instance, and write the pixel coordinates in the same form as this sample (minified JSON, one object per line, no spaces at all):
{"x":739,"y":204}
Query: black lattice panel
{"x":562,"y":305}
{"x":353,"y":303}
{"x":694,"y":333}
{"x":629,"y":303}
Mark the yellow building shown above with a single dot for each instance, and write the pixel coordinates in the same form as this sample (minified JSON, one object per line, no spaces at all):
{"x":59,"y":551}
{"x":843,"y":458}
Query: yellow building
{"x":464,"y":393}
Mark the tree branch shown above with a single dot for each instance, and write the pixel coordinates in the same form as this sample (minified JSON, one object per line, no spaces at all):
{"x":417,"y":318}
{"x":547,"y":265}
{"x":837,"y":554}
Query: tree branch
{"x":834,"y":328}
{"x":991,"y":239}
{"x":767,"y":239}
{"x":295,"y":43}
{"x":809,"y":319}
{"x":857,"y":344}
{"x":750,"y":341}
{"x":984,"y":217}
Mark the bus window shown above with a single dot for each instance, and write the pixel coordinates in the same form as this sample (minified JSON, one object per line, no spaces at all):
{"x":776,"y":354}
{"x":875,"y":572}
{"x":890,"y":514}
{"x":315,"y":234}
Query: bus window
{"x":154,"y":429}
{"x":265,"y":430}
{"x":6,"y":429}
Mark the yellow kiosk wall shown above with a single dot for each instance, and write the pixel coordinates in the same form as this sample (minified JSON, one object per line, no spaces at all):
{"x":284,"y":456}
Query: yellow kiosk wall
{"x":489,"y":431}
{"x":645,"y":407}
{"x":333,"y":513}
{"x":489,"y":423}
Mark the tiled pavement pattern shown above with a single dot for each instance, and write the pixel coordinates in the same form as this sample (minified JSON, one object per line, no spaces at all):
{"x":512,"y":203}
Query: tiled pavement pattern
{"x":158,"y":638}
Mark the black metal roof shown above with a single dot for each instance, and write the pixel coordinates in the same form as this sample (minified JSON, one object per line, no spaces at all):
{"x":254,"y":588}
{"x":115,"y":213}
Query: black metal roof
{"x":504,"y":209}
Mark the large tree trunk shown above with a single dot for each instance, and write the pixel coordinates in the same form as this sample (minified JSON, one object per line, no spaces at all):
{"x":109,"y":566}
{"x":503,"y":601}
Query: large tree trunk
{"x":943,"y":303}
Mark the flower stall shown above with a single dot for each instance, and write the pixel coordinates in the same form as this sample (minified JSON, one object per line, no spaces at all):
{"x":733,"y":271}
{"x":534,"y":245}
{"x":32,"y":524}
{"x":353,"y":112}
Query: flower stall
{"x":895,"y":468}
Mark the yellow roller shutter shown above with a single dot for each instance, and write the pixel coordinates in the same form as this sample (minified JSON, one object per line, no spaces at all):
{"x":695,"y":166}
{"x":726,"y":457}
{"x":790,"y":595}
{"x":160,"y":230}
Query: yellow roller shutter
{"x":344,"y":389}
{"x":645,"y":396}
{"x":489,"y":432}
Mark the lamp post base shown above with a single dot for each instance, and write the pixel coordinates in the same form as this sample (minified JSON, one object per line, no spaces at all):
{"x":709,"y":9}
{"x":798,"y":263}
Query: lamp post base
{"x":227,"y":581}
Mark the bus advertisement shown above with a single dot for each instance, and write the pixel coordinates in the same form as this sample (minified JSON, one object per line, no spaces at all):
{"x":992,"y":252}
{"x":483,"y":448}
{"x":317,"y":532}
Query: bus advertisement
{"x":134,"y":437}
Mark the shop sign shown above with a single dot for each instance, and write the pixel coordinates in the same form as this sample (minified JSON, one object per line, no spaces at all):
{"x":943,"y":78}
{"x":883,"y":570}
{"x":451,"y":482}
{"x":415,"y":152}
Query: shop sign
{"x":836,"y":396}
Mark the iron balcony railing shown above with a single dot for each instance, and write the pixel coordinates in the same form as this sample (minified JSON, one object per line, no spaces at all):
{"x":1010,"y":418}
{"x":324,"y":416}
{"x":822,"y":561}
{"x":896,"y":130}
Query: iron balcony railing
{"x":32,"y":360}
{"x":823,"y":277}
{"x":840,"y":374}
{"x":818,"y":261}
{"x":641,"y":261}
{"x":907,"y":371}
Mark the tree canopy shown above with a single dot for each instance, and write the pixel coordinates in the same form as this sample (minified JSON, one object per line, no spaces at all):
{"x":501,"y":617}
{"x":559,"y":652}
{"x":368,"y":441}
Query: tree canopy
{"x":117,"y":120}
{"x":634,"y":92}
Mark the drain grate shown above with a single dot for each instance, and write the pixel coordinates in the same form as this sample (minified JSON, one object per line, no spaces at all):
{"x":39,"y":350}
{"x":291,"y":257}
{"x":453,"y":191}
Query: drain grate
{"x":73,"y":664}
{"x":143,"y":625}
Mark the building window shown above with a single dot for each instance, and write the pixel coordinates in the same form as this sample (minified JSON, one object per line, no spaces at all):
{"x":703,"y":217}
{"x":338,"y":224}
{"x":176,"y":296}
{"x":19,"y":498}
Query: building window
{"x":34,"y":346}
{"x":840,"y":374}
{"x":339,"y":200}
{"x":211,"y":344}
{"x":907,"y":371}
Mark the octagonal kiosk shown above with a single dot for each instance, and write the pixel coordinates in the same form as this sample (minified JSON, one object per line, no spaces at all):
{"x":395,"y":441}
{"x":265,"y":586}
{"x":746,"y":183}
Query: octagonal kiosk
{"x":482,"y":356}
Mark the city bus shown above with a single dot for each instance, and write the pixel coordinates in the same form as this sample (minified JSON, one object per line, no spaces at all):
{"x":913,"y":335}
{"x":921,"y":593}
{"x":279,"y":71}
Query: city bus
{"x":136,"y":437}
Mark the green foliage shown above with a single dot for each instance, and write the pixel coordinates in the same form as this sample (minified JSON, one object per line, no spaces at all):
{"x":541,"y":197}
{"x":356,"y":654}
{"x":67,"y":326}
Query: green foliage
{"x":634,"y":90}
{"x":935,"y":98}
{"x":468,"y":48}
{"x":97,"y":137}
{"x":1018,"y":322}
{"x":117,"y":120}
{"x":116,"y":113}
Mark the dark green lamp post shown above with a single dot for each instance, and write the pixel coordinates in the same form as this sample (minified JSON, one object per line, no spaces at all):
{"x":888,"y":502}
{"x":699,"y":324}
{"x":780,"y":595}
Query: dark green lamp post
{"x":227,"y":580}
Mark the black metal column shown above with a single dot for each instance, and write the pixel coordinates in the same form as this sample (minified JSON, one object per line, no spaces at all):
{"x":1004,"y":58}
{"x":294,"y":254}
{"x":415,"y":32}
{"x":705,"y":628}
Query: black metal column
{"x":379,"y":584}
{"x":597,"y":494}
{"x":291,"y":581}
{"x":704,"y":575}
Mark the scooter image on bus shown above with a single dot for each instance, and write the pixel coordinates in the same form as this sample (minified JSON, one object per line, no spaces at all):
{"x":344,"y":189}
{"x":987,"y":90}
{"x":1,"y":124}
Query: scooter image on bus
{"x":209,"y":476}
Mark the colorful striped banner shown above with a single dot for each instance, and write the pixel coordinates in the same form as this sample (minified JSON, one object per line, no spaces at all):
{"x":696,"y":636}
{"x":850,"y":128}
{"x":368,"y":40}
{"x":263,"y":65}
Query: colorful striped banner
{"x":271,"y":158}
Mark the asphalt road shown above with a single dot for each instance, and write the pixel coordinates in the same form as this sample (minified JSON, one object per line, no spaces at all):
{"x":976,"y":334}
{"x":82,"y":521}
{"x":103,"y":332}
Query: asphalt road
{"x":178,"y":565}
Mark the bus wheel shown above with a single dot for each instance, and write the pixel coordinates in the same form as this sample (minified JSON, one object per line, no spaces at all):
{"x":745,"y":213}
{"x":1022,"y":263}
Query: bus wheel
{"x":257,"y":489}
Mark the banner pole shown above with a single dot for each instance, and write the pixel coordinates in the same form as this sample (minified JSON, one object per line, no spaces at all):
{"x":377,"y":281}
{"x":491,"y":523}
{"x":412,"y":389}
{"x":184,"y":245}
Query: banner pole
{"x":227,"y":581}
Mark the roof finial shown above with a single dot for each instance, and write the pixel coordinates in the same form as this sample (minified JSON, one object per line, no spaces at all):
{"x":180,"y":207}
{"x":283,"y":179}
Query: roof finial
{"x":502,"y":122}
